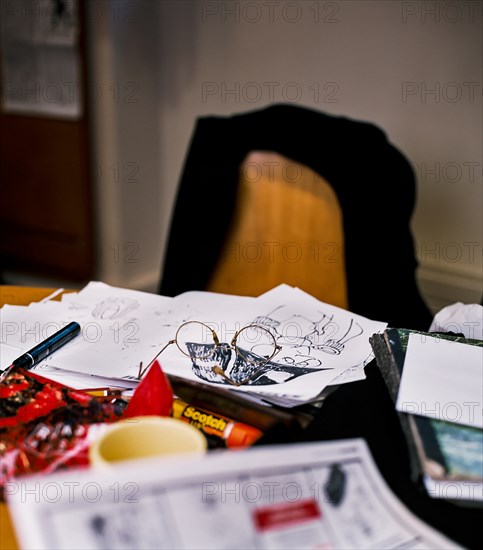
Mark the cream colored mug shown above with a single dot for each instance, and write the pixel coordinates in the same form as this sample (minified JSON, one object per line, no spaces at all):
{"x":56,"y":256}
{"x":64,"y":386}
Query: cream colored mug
{"x":145,"y":436}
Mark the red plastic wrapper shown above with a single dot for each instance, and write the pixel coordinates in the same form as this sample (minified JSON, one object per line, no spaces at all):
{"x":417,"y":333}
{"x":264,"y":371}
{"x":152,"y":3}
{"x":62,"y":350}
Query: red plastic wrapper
{"x":44,"y":425}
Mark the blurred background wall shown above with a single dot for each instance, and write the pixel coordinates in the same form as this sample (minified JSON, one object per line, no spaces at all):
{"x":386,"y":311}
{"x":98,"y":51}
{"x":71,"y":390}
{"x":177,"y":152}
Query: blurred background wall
{"x":413,"y":68}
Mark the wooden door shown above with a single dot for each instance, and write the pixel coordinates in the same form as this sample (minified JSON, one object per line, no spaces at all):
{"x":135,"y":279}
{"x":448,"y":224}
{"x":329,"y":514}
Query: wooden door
{"x":46,"y":211}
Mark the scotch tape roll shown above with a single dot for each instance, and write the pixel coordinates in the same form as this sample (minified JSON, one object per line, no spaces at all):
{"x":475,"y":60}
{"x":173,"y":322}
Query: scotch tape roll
{"x":143,"y":437}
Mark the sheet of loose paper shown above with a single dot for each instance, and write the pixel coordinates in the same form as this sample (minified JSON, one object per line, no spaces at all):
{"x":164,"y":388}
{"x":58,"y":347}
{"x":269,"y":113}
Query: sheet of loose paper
{"x":122,"y":328}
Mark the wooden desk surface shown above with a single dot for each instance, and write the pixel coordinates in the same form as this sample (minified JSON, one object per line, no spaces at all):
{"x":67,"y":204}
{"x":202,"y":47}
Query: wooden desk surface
{"x":22,"y":295}
{"x":16,"y":295}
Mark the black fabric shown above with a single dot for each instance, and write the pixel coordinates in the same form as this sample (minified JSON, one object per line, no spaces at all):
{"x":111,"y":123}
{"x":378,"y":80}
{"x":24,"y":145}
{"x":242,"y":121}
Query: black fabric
{"x":373,"y":181}
{"x":365,"y":410}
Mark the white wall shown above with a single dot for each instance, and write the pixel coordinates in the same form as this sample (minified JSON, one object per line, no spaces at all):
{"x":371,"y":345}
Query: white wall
{"x":412,"y":68}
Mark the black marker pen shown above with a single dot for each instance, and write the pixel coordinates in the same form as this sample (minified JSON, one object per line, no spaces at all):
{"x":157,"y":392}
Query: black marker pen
{"x":44,"y":349}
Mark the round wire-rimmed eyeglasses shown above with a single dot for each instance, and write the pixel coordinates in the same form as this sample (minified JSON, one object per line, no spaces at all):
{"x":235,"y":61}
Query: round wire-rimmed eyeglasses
{"x":254,"y":347}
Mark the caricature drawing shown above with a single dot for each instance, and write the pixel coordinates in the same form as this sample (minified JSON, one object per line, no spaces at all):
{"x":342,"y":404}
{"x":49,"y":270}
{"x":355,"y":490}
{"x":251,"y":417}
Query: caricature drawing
{"x":302,"y":341}
{"x":298,"y":332}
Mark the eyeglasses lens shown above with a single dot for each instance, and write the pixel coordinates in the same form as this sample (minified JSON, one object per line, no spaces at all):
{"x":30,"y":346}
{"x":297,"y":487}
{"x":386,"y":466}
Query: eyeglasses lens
{"x":195,"y":340}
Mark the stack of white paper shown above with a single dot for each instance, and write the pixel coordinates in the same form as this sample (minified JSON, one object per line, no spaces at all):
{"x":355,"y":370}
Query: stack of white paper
{"x":320,"y":344}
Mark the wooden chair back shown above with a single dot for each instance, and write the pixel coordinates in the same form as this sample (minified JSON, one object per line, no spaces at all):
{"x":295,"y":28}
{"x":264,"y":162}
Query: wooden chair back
{"x":287,"y":228}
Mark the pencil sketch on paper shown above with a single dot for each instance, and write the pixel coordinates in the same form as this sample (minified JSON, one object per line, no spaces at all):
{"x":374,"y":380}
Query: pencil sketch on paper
{"x":304,"y":340}
{"x":297,"y":332}
{"x":114,"y":308}
{"x":239,"y":367}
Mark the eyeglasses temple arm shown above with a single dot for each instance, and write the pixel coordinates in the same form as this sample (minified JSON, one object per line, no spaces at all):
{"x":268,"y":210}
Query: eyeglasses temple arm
{"x":215,"y":338}
{"x":143,"y":371}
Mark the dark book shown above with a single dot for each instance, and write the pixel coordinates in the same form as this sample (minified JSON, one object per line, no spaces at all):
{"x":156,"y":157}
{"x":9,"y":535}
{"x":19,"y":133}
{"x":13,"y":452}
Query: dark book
{"x":446,"y":456}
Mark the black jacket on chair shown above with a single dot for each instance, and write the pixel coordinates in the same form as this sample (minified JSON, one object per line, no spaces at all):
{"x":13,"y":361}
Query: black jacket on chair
{"x":373,"y":181}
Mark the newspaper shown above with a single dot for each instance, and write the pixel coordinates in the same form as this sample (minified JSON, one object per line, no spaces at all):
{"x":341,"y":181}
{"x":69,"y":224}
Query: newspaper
{"x":310,"y":495}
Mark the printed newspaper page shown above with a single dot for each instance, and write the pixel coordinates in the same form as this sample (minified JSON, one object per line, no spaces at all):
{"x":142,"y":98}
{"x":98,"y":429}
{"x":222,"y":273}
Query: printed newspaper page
{"x":312,"y":495}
